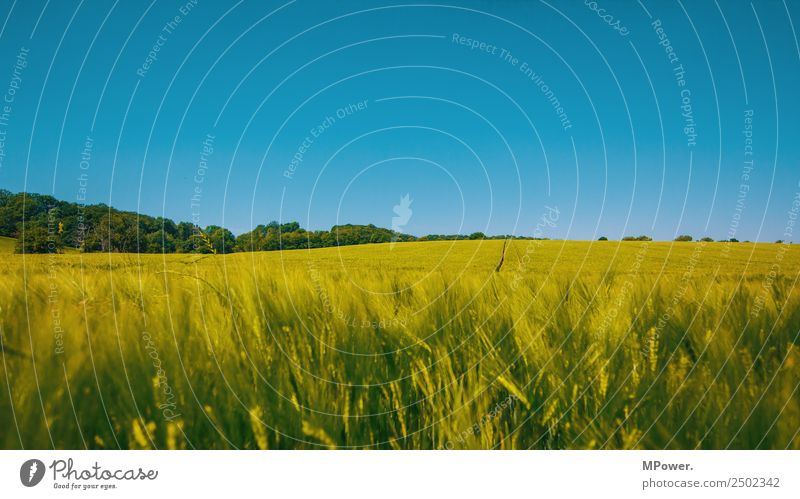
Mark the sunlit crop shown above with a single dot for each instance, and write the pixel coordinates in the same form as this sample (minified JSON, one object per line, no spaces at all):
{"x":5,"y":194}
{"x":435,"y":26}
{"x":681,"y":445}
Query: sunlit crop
{"x":407,"y":345}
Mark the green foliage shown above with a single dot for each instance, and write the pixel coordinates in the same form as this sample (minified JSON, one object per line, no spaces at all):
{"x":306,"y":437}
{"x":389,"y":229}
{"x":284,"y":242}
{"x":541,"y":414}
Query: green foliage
{"x":38,"y":240}
{"x":221,"y":239}
{"x":602,"y":238}
{"x":683,"y":238}
{"x":160,"y":241}
{"x":639,"y":238}
{"x":43,"y":233}
{"x":99,"y":228}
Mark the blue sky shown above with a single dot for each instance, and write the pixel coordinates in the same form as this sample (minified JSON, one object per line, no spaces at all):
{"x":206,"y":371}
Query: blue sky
{"x":573,"y":105}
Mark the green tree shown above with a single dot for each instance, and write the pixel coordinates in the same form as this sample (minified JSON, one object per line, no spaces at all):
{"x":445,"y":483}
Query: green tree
{"x":222,"y":240}
{"x":37,"y":239}
{"x":160,"y":242}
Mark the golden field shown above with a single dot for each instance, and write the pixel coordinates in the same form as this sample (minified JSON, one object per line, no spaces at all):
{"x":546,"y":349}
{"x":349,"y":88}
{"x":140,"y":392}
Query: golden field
{"x":411,"y":345}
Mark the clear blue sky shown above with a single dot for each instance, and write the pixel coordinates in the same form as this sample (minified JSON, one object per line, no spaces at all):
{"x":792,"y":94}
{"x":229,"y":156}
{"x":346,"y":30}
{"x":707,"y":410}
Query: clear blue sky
{"x":477,"y":141}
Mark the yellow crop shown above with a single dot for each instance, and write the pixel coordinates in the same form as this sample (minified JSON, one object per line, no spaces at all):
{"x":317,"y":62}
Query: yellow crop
{"x":409,"y":345}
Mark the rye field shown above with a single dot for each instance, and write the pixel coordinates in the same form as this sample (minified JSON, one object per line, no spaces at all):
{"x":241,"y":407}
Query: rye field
{"x":570,"y":345}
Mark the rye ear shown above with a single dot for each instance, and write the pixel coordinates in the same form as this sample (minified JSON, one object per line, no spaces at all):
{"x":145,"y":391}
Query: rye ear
{"x":502,"y":257}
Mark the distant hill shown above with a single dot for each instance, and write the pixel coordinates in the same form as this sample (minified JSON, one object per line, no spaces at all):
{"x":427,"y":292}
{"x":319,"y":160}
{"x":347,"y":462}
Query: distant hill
{"x":55,"y":225}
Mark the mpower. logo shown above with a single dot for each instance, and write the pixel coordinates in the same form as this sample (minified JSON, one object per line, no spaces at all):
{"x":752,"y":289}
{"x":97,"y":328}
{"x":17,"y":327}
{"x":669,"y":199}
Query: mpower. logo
{"x":31,"y":472}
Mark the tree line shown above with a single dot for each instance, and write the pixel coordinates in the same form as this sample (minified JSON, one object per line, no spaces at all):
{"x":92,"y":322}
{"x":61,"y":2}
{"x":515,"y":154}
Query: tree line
{"x":51,"y":225}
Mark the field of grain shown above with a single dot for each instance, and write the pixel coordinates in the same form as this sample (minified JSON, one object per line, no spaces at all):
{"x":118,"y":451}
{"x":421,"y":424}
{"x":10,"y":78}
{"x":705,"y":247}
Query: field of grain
{"x":412,"y":346}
